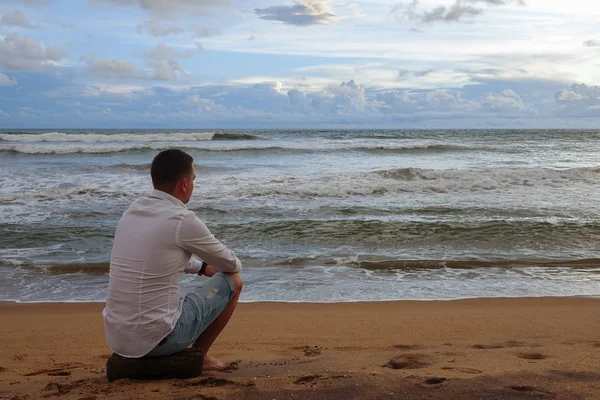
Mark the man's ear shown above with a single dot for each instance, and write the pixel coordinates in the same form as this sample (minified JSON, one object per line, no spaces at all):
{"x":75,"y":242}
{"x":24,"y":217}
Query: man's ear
{"x":183,"y":184}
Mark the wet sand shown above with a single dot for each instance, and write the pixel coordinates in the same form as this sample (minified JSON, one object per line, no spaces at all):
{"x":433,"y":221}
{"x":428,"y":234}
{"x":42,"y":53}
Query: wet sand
{"x":545,"y":348}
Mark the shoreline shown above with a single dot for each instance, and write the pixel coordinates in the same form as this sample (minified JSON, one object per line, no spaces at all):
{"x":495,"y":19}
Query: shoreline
{"x":510,"y":348}
{"x":333,"y":302}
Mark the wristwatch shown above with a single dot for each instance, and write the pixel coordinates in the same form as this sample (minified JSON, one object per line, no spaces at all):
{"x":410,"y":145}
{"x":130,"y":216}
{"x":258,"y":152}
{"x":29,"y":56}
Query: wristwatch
{"x":202,"y":268}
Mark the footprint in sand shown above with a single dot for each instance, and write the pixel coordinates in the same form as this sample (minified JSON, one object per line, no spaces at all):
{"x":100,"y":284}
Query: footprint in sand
{"x":209,"y":382}
{"x":408,"y":347}
{"x":515,"y":343}
{"x":487,"y":346}
{"x":465,"y":370}
{"x":59,"y":373}
{"x":60,"y":389}
{"x":309,"y":351}
{"x":530,"y":390}
{"x":409,"y":361}
{"x":531,"y":356}
{"x":435,"y":380}
{"x":307,"y":379}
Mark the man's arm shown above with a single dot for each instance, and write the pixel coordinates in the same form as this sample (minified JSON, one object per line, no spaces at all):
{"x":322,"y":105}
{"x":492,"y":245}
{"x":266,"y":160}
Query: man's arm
{"x":195,"y":237}
{"x":194,"y":266}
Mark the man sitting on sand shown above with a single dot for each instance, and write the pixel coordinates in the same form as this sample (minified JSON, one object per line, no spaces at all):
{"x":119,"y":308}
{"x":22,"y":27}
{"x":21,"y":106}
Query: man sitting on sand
{"x":154,"y":243}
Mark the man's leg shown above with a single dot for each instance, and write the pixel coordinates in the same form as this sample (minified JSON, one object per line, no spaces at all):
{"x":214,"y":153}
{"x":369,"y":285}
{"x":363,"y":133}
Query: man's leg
{"x":206,"y":339}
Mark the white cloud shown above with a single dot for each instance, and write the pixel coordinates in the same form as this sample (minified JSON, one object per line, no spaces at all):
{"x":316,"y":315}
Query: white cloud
{"x":203,"y":105}
{"x":580,"y":99}
{"x":164,"y":61}
{"x":205,"y":31}
{"x":168,"y":8}
{"x":436,"y":101}
{"x":111,"y":68}
{"x":16,"y":18}
{"x":302,"y":13}
{"x":23,"y":53}
{"x":7,"y":81}
{"x":506,"y":101}
{"x":26,"y":111}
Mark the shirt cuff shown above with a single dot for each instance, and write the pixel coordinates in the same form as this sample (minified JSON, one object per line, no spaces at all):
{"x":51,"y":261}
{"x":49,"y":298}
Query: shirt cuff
{"x":193,"y":266}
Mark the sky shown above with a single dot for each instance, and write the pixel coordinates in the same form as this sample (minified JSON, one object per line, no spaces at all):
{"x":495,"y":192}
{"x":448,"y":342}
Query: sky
{"x":299,"y":64}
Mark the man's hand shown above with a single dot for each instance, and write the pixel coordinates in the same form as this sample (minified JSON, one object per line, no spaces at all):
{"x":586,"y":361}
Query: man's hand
{"x":210,"y":270}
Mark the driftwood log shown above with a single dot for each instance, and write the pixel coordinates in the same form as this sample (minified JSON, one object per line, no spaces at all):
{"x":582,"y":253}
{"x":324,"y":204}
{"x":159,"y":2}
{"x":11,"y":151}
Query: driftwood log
{"x":183,"y":365}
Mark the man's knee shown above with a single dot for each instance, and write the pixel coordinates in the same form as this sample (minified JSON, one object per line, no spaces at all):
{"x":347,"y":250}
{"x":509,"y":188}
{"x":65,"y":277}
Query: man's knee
{"x":238,"y":284}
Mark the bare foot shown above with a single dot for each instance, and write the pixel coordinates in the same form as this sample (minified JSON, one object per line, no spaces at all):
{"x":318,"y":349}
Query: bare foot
{"x":212,"y":364}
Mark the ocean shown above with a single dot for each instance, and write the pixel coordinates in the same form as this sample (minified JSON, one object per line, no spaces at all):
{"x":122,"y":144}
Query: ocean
{"x":317,"y":215}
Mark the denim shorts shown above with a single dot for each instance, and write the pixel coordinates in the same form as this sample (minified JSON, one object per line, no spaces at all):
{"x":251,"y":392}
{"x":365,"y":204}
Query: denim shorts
{"x":200,"y":308}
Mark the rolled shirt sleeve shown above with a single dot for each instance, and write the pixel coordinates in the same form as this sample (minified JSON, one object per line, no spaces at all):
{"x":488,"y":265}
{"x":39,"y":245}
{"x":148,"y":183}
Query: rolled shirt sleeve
{"x":194,"y":236}
{"x":193,"y":266}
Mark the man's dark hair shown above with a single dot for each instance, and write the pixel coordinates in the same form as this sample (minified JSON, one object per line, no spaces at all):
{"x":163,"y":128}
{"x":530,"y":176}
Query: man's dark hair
{"x":168,"y":167}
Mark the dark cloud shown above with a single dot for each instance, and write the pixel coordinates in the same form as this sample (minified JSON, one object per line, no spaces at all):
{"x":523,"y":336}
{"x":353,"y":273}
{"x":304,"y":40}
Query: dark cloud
{"x":592,"y":43}
{"x":302,"y":13}
{"x":459,"y":11}
{"x":16,"y":18}
{"x":454,"y":13}
{"x":23,"y":53}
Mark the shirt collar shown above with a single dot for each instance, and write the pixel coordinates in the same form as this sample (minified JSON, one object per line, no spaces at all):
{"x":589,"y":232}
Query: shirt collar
{"x":166,"y":196}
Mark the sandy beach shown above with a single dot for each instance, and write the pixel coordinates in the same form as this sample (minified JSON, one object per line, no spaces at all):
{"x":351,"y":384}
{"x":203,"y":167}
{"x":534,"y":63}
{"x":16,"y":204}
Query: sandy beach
{"x":546,"y":348}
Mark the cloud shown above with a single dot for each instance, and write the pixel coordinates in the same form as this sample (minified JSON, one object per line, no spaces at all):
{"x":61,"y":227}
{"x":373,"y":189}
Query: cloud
{"x":506,"y":101}
{"x":592,"y":43}
{"x":168,"y":8}
{"x":459,"y":11}
{"x":59,"y":22}
{"x":203,"y":105}
{"x":6,"y":80}
{"x":579,"y":100}
{"x":111,"y":68}
{"x":205,"y":31}
{"x":164,"y":61}
{"x":268,"y":104}
{"x":302,"y":13}
{"x":454,"y":13}
{"x":16,"y":18}
{"x":26,"y":54}
{"x":435,"y":101}
{"x":157,"y":28}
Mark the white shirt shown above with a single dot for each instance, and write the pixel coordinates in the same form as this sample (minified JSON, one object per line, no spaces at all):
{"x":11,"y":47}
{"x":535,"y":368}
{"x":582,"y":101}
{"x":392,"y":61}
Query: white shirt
{"x":153,"y":245}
